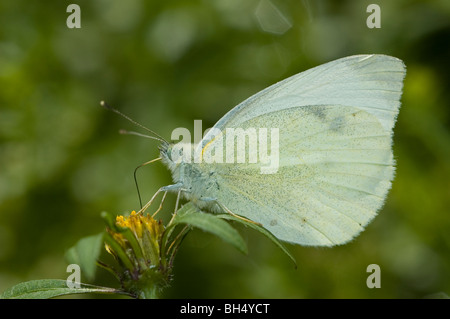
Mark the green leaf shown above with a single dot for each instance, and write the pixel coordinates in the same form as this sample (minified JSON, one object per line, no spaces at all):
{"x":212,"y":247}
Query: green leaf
{"x":50,"y":288}
{"x":263,"y":231}
{"x":190,"y":215}
{"x":85,"y":254}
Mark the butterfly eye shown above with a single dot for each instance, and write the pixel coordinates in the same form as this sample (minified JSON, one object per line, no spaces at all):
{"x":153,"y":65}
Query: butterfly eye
{"x":178,"y":153}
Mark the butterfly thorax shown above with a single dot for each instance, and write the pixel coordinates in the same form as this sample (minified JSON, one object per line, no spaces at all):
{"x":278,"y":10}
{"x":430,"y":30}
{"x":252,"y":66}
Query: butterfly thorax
{"x":197,"y":181}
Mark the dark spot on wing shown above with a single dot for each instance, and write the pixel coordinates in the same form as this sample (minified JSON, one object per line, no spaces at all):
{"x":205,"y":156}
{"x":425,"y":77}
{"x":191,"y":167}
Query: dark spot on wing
{"x":337,"y":123}
{"x":273,"y":222}
{"x":318,"y":111}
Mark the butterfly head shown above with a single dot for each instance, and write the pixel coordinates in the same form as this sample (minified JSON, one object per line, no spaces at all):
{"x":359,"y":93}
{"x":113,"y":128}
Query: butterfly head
{"x":175,"y":154}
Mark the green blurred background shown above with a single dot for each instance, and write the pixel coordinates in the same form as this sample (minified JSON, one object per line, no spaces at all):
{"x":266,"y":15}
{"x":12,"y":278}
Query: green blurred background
{"x":167,"y":63}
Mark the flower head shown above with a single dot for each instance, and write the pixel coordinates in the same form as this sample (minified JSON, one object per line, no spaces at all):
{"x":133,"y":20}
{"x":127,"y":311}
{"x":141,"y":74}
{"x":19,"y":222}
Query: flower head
{"x":136,"y":242}
{"x":147,"y":232}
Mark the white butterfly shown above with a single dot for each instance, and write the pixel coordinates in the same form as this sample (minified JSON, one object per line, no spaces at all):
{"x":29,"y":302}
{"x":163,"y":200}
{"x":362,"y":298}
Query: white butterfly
{"x":335,"y":153}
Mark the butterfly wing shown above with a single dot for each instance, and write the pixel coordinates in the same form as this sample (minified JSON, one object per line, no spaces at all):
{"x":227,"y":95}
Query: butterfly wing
{"x":370,"y":82}
{"x":335,"y":169}
{"x":335,"y":156}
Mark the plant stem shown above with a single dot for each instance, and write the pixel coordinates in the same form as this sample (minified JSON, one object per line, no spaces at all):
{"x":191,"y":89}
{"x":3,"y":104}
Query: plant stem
{"x":150,"y":292}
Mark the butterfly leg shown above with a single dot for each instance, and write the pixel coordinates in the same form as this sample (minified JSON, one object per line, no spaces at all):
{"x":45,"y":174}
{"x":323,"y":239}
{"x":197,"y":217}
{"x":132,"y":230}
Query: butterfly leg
{"x":237,"y":216}
{"x":227,"y":210}
{"x":160,"y":205}
{"x":176,"y":207}
{"x":164,"y":189}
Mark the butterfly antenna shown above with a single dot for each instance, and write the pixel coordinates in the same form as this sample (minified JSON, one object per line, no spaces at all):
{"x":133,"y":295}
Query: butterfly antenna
{"x":155,"y":137}
{"x":125,"y":132}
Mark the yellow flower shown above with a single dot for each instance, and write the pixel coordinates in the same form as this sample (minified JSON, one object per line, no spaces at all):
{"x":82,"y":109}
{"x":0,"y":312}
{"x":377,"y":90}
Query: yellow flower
{"x":146,"y":231}
{"x":136,"y":244}
{"x":139,"y":224}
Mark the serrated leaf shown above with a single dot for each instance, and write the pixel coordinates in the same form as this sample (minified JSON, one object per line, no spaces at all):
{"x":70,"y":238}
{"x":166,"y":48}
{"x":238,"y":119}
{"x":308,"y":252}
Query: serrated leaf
{"x":263,"y":231}
{"x":85,"y":254}
{"x":190,"y":215}
{"x":50,"y":288}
